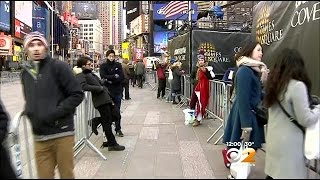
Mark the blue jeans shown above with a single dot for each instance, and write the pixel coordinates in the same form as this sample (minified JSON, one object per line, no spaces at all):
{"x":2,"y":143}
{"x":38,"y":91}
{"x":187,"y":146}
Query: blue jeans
{"x":169,"y":97}
{"x":117,"y":101}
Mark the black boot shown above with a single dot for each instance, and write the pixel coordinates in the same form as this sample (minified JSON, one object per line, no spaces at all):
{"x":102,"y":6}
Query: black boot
{"x":95,"y":123}
{"x":119,"y":133}
{"x":179,"y":98}
{"x":105,"y":144}
{"x":116,"y":147}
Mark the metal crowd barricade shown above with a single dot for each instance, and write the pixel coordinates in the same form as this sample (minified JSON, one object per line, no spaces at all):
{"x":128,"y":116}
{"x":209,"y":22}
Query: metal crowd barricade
{"x":84,"y":113}
{"x":186,"y":90}
{"x":149,"y":76}
{"x":217,"y":105}
{"x":8,"y":76}
{"x":13,"y":144}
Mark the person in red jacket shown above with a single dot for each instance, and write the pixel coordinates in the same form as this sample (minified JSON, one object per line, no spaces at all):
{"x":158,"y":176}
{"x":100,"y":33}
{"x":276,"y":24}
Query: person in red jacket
{"x":201,"y":91}
{"x":161,"y":68}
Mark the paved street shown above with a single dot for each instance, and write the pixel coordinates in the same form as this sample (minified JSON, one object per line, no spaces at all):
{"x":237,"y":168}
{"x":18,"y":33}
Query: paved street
{"x":158,"y":144}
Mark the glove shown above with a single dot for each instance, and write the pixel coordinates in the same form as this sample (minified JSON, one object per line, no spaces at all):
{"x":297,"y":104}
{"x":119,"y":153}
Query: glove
{"x":210,"y":68}
{"x":245,"y":136}
{"x":103,"y":81}
{"x":116,"y":76}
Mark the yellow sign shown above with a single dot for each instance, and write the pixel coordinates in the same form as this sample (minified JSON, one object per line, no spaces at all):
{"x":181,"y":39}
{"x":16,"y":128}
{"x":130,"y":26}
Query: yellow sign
{"x":125,"y":50}
{"x":17,"y":51}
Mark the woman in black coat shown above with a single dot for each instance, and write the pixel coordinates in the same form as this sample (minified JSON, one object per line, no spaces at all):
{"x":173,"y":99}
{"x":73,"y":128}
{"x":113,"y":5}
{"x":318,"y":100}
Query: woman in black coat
{"x":6,"y":170}
{"x":101,"y":100}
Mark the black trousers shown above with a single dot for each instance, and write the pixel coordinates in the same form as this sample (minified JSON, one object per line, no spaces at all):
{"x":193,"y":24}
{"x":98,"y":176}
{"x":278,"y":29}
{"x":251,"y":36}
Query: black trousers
{"x":6,"y":170}
{"x":161,"y":88}
{"x":139,"y":79}
{"x":106,"y":122}
{"x":117,"y":101}
{"x":125,"y":85}
{"x":133,"y":80}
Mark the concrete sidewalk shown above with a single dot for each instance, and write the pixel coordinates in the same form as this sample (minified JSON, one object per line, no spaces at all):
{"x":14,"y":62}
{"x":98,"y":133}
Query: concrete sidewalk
{"x":158,"y":145}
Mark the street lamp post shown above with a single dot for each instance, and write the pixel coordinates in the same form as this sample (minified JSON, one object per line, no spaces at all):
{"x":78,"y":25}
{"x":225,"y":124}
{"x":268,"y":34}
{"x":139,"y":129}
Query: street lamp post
{"x":71,"y":35}
{"x":151,"y":24}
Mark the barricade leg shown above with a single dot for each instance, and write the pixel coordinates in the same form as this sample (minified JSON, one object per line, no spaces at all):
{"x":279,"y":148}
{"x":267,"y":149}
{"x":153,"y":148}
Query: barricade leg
{"x":182,"y":102}
{"x":93,"y":148}
{"x":216,"y":142}
{"x":214,"y":133}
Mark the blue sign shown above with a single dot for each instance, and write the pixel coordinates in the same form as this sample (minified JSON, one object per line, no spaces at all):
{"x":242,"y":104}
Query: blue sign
{"x":161,"y":40}
{"x":158,"y":13}
{"x":5,"y":15}
{"x":39,"y":20}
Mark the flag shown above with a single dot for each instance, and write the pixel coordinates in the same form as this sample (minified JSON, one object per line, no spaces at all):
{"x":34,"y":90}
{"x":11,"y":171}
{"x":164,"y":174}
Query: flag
{"x":175,"y":7}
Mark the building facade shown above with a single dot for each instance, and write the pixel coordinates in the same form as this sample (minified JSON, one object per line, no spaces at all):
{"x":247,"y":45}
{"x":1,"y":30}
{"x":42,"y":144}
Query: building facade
{"x":92,"y":31}
{"x":111,"y":17}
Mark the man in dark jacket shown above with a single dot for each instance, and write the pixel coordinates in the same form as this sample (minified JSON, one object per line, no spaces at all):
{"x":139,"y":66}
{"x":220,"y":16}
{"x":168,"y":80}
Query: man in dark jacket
{"x":52,"y":94}
{"x":112,"y":74}
{"x":125,"y":83}
{"x":101,"y":100}
{"x":6,"y":170}
{"x":140,"y":71}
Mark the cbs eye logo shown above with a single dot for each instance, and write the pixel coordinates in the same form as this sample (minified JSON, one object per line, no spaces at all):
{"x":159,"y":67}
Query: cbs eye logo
{"x":239,"y":155}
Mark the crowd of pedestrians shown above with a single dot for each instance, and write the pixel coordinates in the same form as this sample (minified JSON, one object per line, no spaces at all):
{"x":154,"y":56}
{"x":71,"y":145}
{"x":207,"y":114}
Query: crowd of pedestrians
{"x":52,"y":91}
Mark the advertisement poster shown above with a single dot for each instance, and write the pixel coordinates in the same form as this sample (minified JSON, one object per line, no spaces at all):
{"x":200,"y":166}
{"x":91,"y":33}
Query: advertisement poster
{"x":86,"y":11}
{"x":290,"y":24}
{"x":138,"y":54}
{"x":179,"y":49}
{"x":125,"y":50}
{"x":219,"y":48}
{"x":159,"y":14}
{"x":5,"y":15}
{"x":21,"y":30}
{"x":161,"y":40}
{"x":5,"y":44}
{"x":39,"y":19}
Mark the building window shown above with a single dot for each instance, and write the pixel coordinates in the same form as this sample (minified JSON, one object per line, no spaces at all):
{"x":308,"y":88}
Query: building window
{"x":91,"y":33}
{"x":86,"y":25}
{"x":90,"y":25}
{"x":90,"y":29}
{"x":85,"y":29}
{"x":90,"y":37}
{"x":85,"y":34}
